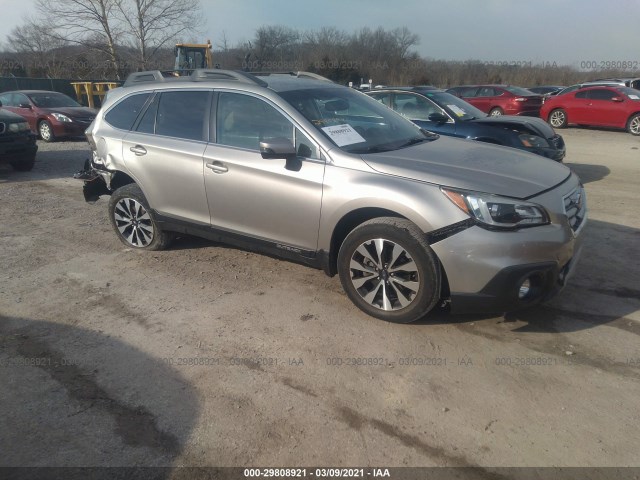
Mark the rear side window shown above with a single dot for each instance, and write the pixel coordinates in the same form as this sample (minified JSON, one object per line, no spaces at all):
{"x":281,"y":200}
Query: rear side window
{"x":582,"y":94}
{"x":183,"y":115}
{"x":602,"y":94}
{"x":124,"y":114}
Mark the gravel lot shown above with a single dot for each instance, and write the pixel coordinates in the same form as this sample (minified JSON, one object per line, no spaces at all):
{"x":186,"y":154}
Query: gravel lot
{"x":206,"y":355}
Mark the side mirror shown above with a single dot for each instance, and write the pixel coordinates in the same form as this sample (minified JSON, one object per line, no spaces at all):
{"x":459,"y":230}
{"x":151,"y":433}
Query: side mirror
{"x":277,"y":148}
{"x":617,"y":99}
{"x":0,"y":104}
{"x":25,"y":105}
{"x":438,"y":117}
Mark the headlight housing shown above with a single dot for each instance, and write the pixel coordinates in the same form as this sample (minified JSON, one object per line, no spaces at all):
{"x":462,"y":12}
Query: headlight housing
{"x":61,"y":118}
{"x":18,"y":127}
{"x":494,"y":211}
{"x":533,"y":141}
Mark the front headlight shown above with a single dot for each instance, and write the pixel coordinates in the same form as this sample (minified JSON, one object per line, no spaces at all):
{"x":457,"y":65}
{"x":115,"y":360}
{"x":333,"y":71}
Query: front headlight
{"x":61,"y":118}
{"x":498,"y":212}
{"x":533,"y":141}
{"x":18,"y":127}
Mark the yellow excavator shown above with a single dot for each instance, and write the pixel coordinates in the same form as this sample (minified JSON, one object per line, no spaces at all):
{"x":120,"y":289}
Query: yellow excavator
{"x":190,"y":56}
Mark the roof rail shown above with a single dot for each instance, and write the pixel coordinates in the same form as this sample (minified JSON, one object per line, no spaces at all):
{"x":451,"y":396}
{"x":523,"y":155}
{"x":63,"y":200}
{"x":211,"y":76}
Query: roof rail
{"x":197,"y":75}
{"x":298,"y":74}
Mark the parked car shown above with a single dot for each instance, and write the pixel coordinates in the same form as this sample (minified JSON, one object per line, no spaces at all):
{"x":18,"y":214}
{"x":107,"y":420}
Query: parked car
{"x":17,"y":144}
{"x":52,"y":115}
{"x":446,"y":114}
{"x":325,"y":175}
{"x":500,"y":99}
{"x":617,"y":107}
{"x":631,"y":82}
{"x":595,"y":83}
{"x":546,"y":90}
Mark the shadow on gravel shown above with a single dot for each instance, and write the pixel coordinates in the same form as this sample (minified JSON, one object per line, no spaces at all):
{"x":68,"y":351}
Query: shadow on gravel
{"x":54,"y":160}
{"x":75,"y":397}
{"x":589,"y":173}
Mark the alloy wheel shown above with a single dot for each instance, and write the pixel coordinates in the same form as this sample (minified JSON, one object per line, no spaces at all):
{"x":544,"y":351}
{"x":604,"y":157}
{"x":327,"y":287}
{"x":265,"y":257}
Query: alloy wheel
{"x":384,"y":274}
{"x":133,"y":222}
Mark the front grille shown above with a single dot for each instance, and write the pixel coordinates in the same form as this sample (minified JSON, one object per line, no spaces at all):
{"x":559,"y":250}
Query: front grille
{"x":575,"y":207}
{"x":2,"y":127}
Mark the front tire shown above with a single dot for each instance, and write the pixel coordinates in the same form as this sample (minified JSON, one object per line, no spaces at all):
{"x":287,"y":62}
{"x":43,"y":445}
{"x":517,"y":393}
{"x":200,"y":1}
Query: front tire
{"x":45,"y":130}
{"x":133,"y":220}
{"x":558,"y":118}
{"x":389,"y":271}
{"x":633,"y":125}
{"x":496,"y":112}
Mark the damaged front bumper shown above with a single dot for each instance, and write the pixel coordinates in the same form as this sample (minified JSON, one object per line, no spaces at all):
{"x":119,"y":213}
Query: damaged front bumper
{"x":97,"y":181}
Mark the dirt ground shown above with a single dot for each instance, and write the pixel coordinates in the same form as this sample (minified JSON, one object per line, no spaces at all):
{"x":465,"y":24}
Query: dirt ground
{"x":207,"y":355}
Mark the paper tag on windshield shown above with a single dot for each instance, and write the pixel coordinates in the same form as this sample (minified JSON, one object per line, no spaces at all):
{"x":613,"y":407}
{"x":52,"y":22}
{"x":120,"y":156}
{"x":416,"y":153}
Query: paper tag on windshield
{"x":343,"y":135}
{"x":457,"y":110}
{"x":634,"y":97}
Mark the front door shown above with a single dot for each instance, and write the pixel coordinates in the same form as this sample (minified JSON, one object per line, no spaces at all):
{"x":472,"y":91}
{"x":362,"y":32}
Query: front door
{"x":269,"y":199}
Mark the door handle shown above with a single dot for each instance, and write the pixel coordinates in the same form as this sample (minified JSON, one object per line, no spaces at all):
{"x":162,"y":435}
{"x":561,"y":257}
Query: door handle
{"x":138,"y":150}
{"x":217,"y":167}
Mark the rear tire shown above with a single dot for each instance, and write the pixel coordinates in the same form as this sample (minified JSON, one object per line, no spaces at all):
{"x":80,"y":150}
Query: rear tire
{"x":633,"y":124}
{"x":389,"y":271}
{"x":558,"y":118}
{"x":134,"y":222}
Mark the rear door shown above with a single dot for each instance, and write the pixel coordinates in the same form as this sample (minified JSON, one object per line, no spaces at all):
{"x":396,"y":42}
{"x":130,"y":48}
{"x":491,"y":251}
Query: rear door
{"x":164,"y":152}
{"x":577,"y":107}
{"x":269,"y":199}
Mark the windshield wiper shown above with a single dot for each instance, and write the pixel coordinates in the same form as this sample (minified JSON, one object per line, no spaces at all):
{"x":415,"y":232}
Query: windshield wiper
{"x":414,"y":141}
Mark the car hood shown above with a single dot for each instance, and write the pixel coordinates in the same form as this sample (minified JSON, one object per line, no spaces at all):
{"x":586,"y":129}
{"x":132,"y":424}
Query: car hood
{"x":73,"y":112}
{"x":537,"y":125}
{"x":471,"y":165}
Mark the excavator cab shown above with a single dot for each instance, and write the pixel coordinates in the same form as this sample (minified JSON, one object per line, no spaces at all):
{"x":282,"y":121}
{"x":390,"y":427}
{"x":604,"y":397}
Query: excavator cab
{"x":190,"y":56}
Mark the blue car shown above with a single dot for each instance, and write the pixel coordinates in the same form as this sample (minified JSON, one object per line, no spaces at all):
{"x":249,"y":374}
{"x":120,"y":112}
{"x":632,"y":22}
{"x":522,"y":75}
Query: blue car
{"x":440,"y":112}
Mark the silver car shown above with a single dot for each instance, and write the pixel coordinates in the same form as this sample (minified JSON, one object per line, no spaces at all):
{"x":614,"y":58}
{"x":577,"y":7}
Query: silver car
{"x":322,"y":174}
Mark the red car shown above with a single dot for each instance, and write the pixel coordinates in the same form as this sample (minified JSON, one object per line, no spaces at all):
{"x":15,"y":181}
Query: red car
{"x":52,"y":115}
{"x":500,"y":99}
{"x":617,"y":107}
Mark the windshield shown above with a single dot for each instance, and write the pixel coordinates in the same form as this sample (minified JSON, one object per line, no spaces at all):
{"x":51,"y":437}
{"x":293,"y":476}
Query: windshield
{"x":355,"y":122}
{"x":455,"y":106}
{"x":519,"y":91}
{"x":632,"y":93}
{"x":52,"y":100}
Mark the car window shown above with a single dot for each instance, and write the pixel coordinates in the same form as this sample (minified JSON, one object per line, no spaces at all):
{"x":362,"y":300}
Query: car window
{"x":456,"y":107}
{"x":486,"y":92}
{"x":583,"y":94}
{"x":602,"y":94}
{"x":305,"y":146}
{"x":516,"y":91}
{"x":414,"y":107}
{"x":52,"y":100}
{"x":124,"y":113}
{"x":244,"y":121}
{"x":183,"y":115}
{"x":384,"y":98}
{"x":468,"y":92}
{"x":20,"y":99}
{"x":7,"y":100}
{"x":147,"y":123}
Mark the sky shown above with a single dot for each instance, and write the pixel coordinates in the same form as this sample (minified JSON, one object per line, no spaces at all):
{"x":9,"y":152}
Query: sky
{"x":580,"y":33}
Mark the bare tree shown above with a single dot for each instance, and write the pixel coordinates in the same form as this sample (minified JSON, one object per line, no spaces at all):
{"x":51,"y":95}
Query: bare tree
{"x":89,"y":23}
{"x":152,"y":24}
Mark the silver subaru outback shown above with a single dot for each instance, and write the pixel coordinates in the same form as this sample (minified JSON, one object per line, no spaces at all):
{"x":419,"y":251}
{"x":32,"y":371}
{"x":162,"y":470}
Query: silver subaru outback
{"x":322,"y":174}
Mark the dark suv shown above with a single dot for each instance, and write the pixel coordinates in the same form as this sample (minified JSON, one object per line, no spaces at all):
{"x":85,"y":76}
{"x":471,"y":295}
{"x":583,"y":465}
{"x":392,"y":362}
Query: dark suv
{"x":17,"y":143}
